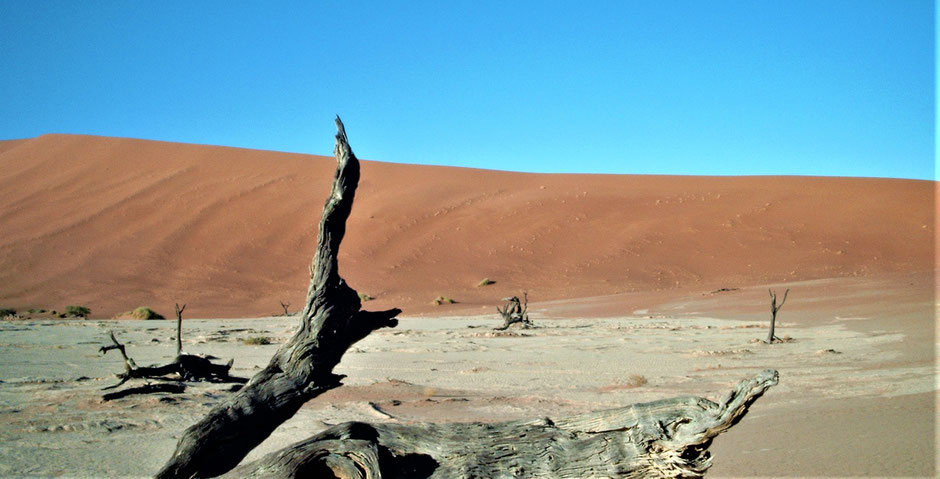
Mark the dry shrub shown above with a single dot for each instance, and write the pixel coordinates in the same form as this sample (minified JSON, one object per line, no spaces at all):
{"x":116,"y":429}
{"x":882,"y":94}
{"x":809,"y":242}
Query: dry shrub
{"x":442,"y":300}
{"x":632,"y":381}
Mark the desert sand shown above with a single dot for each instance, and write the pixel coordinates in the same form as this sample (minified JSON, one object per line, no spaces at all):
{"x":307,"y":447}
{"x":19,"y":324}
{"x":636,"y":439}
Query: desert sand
{"x":641,"y":288}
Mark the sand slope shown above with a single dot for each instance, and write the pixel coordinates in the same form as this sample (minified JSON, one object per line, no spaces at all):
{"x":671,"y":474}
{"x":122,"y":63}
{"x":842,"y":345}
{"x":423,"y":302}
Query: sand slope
{"x":118,"y":223}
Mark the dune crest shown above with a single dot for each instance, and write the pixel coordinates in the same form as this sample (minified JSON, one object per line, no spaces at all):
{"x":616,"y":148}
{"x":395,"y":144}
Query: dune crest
{"x":115,"y":223}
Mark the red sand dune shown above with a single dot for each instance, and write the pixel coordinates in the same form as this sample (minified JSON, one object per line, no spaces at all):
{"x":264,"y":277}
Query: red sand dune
{"x":118,"y":223}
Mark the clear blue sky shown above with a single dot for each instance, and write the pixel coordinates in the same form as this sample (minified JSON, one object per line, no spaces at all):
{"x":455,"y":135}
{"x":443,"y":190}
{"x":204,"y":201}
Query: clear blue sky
{"x":676,"y":87}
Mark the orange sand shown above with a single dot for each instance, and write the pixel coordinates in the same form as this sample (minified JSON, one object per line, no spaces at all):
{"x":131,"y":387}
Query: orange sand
{"x":118,"y":223}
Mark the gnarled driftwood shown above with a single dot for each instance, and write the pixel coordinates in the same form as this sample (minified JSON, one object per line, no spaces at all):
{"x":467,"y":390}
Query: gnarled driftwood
{"x":668,"y":438}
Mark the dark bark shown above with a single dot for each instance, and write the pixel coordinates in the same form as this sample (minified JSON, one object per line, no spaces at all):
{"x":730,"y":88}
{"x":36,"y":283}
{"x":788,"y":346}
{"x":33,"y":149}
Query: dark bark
{"x":302,"y":368}
{"x":185,"y":367}
{"x":146,"y":389}
{"x":515,"y":312}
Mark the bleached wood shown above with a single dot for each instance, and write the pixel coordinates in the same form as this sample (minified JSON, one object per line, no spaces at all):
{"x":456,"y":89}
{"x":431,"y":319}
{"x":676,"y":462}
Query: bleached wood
{"x":667,"y":438}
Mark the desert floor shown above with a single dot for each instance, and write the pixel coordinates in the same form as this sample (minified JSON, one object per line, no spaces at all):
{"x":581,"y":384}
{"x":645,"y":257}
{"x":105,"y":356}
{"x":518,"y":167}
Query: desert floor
{"x":857,"y":394}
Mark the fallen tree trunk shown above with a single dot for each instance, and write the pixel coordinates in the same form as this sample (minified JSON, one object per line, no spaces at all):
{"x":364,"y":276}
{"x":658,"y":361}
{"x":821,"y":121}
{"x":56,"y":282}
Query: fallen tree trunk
{"x":175,"y":388}
{"x":185,"y":367}
{"x":668,"y":438}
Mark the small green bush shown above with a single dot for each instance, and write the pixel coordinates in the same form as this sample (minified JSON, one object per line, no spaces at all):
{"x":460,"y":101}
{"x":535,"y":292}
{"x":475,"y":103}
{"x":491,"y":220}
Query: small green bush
{"x":7,"y":312}
{"x":34,"y":311}
{"x":77,"y":311}
{"x":257,"y":340}
{"x":143,"y":312}
{"x":365,"y":297}
{"x":485,"y":282}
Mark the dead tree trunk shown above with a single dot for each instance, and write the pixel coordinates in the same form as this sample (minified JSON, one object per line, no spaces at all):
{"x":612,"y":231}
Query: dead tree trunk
{"x":179,"y":328}
{"x":774,"y":307}
{"x":515,"y":312}
{"x":302,"y":368}
{"x":668,"y":438}
{"x":284,"y":306}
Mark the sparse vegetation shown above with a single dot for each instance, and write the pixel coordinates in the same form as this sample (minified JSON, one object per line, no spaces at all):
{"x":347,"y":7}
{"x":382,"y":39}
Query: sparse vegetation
{"x":364,"y":297}
{"x":442,"y":300}
{"x":485,"y":282}
{"x":35,"y":311}
{"x":632,"y":381}
{"x":4,"y":312}
{"x":142,"y":312}
{"x":256,"y":340}
{"x":77,"y":311}
{"x":635,"y":381}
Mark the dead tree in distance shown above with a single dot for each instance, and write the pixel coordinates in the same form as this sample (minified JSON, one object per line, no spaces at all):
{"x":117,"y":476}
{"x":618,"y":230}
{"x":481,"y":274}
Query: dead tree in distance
{"x":774,"y":307}
{"x":185,"y":367}
{"x":179,"y":328}
{"x":667,"y":438}
{"x":284,"y":306}
{"x":515,"y":312}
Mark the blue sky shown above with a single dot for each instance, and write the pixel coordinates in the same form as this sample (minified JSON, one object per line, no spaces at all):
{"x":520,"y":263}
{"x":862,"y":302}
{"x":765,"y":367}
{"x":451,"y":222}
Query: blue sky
{"x":669,"y":87}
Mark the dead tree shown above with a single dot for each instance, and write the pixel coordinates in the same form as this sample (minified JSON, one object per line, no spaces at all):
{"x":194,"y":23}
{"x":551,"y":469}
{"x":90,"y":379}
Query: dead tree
{"x":285,"y":306}
{"x":302,"y":368}
{"x":185,"y":367}
{"x":667,"y":438}
{"x":514,"y":312}
{"x":774,"y":307}
{"x":179,"y":328}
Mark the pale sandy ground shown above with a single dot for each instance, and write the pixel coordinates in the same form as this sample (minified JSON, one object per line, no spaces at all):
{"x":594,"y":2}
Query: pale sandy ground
{"x":856,"y":396}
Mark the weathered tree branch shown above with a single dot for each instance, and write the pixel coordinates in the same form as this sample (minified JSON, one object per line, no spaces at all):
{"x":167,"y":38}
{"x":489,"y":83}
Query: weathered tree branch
{"x":774,"y":307}
{"x":668,"y":438}
{"x":302,"y":368}
{"x":146,"y":389}
{"x":514,"y":312}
